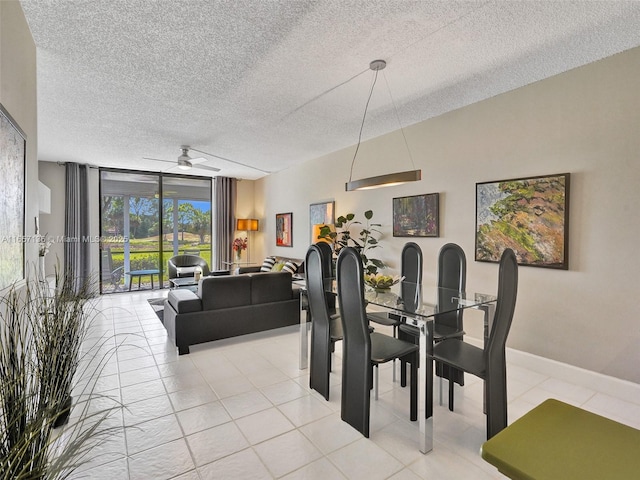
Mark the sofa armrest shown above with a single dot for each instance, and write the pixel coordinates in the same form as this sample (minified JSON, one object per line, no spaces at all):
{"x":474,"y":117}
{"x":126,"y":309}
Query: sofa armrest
{"x":184,"y":301}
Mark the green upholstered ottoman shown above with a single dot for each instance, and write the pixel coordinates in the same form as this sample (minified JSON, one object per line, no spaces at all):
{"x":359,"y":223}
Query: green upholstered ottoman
{"x":559,"y":441}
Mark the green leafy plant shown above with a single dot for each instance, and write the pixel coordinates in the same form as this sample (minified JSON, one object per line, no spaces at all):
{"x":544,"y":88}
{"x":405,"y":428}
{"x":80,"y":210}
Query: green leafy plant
{"x":364,"y":242}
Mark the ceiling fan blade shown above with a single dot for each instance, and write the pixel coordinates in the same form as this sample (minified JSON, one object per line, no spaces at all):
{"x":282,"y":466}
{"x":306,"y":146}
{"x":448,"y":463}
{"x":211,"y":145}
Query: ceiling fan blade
{"x":159,"y":160}
{"x":205,"y":167}
{"x":198,"y":160}
{"x":229,"y":160}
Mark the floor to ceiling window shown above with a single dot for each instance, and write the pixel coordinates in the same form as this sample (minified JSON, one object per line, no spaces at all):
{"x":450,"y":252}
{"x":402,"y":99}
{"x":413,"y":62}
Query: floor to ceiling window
{"x":138,"y":237}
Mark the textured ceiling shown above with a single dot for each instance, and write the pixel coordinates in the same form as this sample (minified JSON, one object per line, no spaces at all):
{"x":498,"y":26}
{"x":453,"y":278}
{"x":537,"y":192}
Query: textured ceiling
{"x":273,"y":83}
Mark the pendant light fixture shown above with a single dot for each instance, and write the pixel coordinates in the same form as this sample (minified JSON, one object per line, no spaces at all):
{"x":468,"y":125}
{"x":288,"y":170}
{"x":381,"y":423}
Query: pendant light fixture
{"x":389,"y":179}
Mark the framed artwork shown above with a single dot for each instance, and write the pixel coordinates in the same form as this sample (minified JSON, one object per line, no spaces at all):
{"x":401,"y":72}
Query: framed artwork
{"x":284,"y":223}
{"x":416,"y":216}
{"x":13,"y":147}
{"x":528,"y":215}
{"x":320,"y":214}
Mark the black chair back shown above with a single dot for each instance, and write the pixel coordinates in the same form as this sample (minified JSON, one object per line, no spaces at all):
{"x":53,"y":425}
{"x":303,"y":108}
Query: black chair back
{"x":494,"y":350}
{"x":452,"y":273}
{"x":505,"y":306}
{"x":320,"y":359}
{"x":327,"y":263}
{"x":327,"y":272}
{"x":411,"y":270}
{"x":356,"y":355}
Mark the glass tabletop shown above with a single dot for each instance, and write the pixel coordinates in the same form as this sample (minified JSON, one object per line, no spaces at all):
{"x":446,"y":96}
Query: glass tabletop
{"x":418,"y":300}
{"x":424,"y":301}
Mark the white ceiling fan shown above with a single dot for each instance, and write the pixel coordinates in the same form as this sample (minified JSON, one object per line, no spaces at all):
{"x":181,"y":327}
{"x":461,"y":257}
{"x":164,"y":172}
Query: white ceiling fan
{"x":185,"y":162}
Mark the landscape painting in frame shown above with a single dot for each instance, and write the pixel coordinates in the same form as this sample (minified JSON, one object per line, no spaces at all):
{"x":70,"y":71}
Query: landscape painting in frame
{"x":416,"y":216}
{"x":283,"y":229}
{"x":528,"y":215}
{"x":321,"y":214}
{"x":12,"y":163}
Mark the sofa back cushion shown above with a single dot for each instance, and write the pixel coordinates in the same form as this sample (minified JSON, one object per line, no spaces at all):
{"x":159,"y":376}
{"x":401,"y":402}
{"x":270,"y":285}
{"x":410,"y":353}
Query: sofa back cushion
{"x":225,"y":291}
{"x":270,"y":287}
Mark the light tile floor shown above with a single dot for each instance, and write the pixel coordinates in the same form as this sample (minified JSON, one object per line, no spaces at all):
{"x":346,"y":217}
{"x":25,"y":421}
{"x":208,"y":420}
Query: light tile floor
{"x":241,"y":409}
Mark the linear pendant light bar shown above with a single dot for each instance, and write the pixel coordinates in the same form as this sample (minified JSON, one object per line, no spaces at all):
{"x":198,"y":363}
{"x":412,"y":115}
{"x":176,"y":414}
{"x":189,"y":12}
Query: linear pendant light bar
{"x":390,"y":179}
{"x":387,"y":180}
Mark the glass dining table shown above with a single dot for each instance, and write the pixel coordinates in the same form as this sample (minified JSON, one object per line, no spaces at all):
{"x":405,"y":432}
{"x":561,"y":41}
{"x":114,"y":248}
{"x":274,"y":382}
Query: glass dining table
{"x":418,"y":305}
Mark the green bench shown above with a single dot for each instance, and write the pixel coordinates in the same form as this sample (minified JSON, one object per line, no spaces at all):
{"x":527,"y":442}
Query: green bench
{"x":559,"y":441}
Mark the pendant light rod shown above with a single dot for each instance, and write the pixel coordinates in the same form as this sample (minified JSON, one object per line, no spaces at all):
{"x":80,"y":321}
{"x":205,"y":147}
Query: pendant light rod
{"x":376,"y":66}
{"x":392,"y":178}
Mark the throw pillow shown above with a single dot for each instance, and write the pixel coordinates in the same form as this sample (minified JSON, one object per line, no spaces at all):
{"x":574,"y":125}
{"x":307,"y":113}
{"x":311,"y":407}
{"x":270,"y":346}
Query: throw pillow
{"x":268,"y":264}
{"x":277,"y":267}
{"x":290,"y":267}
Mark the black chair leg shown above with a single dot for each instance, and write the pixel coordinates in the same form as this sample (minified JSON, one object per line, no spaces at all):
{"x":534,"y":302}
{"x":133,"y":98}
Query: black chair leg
{"x":403,"y":373}
{"x":451,"y":383}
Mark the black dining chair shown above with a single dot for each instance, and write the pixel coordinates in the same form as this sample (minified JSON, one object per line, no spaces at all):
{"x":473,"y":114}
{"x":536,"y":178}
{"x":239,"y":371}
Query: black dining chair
{"x":327,"y":272}
{"x":411,"y":270}
{"x":489,"y":363}
{"x":362,"y":349}
{"x":452,"y":274}
{"x":325,"y":329}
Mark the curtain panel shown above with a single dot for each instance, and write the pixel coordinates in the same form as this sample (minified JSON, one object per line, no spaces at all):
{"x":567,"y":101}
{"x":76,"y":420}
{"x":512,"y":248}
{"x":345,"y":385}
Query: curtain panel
{"x":224,"y":222}
{"x":76,"y":225}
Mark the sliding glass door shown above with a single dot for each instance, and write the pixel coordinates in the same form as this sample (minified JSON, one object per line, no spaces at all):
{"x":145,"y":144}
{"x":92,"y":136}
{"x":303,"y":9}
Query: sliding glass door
{"x":138,"y":236}
{"x":186,"y":214}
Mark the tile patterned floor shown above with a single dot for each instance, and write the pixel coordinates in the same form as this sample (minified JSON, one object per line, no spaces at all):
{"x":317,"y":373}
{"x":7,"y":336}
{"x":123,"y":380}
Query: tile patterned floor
{"x":241,"y":409}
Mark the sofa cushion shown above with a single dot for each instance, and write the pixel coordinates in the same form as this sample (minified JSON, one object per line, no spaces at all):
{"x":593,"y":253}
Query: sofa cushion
{"x":184,"y":301}
{"x":270,"y":287}
{"x":225,"y":291}
{"x":268,"y":264}
{"x":290,"y":266}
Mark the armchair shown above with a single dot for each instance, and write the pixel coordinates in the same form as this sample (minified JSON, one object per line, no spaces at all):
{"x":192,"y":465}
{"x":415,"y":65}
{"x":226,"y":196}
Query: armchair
{"x":184,"y":266}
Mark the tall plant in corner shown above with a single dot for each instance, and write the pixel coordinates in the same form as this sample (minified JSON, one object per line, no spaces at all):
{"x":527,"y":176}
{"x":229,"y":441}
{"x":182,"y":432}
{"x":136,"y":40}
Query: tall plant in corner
{"x":41,"y":334}
{"x":364,"y":242}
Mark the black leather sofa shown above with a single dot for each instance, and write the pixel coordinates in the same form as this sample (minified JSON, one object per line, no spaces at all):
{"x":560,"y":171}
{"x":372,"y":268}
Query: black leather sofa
{"x":228,"y":306}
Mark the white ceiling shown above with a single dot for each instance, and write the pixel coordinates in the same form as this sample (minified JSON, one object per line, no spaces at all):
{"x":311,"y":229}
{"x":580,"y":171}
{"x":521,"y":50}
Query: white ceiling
{"x":273,"y":83}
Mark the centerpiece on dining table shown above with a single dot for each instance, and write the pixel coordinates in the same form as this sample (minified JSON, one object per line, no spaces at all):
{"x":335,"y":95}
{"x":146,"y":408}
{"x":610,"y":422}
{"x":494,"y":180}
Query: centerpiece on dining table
{"x":381,"y":283}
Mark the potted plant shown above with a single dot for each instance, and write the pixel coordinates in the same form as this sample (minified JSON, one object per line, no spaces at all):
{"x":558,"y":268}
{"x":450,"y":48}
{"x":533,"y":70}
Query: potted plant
{"x":41,"y":335}
{"x":366,"y":240}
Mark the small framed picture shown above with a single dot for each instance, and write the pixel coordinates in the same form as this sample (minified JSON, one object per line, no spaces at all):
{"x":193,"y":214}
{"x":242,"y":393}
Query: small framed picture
{"x":284,"y":223}
{"x":416,"y":216}
{"x":320,"y":214}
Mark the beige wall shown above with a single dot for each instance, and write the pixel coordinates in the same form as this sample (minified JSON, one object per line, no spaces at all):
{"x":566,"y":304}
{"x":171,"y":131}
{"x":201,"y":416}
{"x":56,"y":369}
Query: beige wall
{"x":18,"y":96}
{"x":585,"y":122}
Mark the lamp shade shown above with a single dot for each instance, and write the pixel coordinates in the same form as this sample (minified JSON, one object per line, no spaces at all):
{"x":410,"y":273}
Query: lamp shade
{"x":247,"y":224}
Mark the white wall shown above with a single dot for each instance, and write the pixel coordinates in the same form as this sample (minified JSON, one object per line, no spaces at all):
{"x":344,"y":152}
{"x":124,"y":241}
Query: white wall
{"x":53,"y":176}
{"x":585,"y":122}
{"x":52,"y":224}
{"x":18,"y":95}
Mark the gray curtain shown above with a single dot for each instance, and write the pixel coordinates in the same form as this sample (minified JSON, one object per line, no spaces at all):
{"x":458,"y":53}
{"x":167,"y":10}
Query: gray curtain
{"x":76,"y":225}
{"x":224,"y":222}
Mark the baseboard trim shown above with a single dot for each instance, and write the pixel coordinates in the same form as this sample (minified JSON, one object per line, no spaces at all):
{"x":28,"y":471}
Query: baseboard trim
{"x":623,"y":389}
